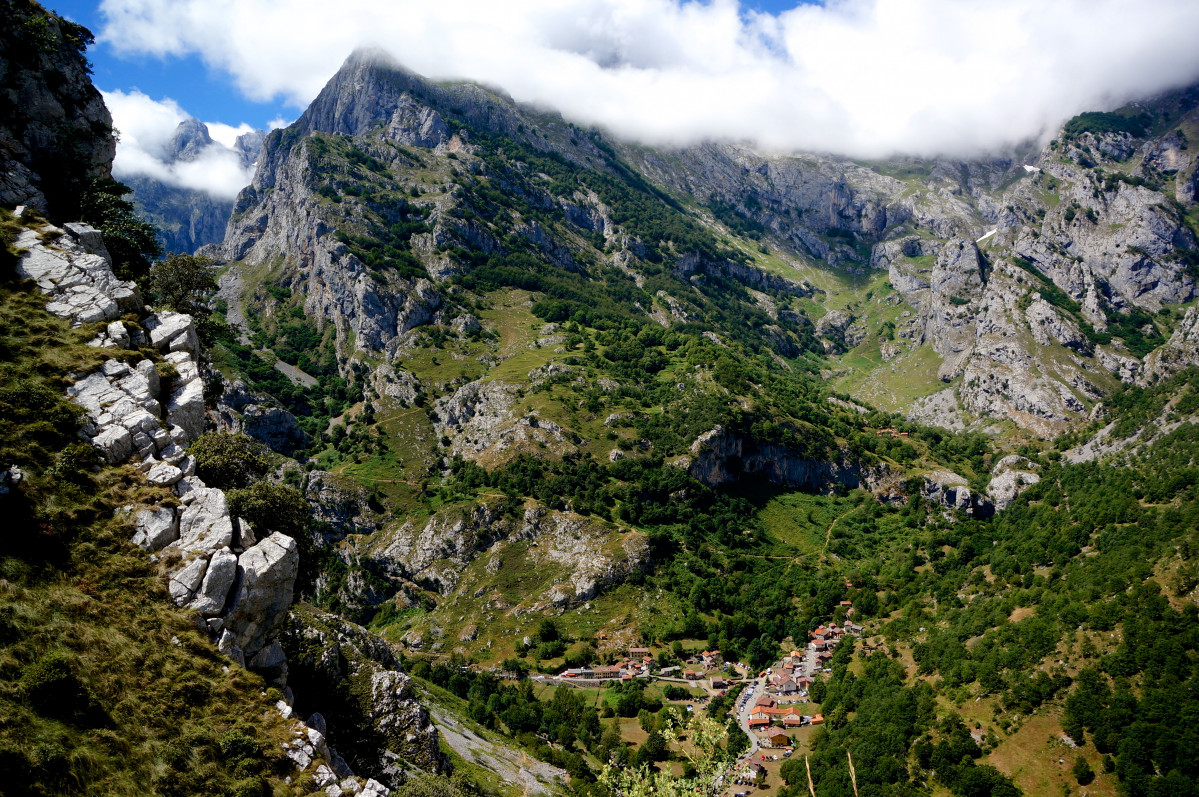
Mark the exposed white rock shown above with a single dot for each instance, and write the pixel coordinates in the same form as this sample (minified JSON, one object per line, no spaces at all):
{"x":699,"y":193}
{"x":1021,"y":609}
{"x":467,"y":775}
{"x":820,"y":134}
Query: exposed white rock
{"x":164,"y":475}
{"x":184,"y":582}
{"x":390,"y":382}
{"x":211,"y":595}
{"x":156,"y":528}
{"x":125,"y":421}
{"x":268,"y":574}
{"x":950,"y":490}
{"x":171,"y":332}
{"x":80,"y":283}
{"x":1180,"y":351}
{"x":1011,"y":476}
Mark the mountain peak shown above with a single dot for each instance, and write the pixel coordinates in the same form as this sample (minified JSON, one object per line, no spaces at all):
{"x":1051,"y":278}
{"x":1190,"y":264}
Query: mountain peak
{"x":190,"y":139}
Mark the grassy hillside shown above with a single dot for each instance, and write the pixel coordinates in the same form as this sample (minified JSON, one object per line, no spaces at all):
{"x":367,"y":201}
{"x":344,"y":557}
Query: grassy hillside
{"x":105,"y":687}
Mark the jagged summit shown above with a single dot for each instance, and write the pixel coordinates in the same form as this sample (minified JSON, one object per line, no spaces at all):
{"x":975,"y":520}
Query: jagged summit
{"x":189,"y":141}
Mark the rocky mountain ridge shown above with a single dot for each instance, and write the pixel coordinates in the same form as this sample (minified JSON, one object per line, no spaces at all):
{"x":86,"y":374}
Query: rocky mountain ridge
{"x":55,"y":136}
{"x":1115,"y":247}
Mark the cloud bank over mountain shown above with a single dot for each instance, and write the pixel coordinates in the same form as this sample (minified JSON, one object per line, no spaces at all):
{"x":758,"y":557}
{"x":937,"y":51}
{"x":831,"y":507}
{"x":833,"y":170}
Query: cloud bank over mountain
{"x":859,"y":77}
{"x":147,"y":127}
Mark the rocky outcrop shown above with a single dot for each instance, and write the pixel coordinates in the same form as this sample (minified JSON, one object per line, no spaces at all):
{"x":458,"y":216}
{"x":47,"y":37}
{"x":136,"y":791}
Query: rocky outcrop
{"x":340,"y":503}
{"x":72,"y":267}
{"x":839,"y":330}
{"x":482,"y":424}
{"x":245,"y":411}
{"x":1010,"y":477}
{"x":55,"y":131}
{"x":1180,"y":351}
{"x":720,"y":457}
{"x":402,"y":386}
{"x":352,"y":679}
{"x":145,"y":414}
{"x":952,"y":492}
{"x":437,"y":552}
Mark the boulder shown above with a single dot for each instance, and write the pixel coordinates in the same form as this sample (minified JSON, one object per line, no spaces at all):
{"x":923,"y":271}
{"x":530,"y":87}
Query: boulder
{"x":164,"y":475}
{"x":170,"y":332}
{"x":268,"y":575}
{"x":213,"y":591}
{"x":155,"y":528}
{"x":185,"y":408}
{"x":184,"y":582}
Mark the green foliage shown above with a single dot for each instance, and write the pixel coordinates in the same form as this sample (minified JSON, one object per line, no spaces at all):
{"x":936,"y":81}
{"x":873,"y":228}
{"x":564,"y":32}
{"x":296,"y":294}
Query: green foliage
{"x":183,"y":283}
{"x":54,"y":690}
{"x":564,"y":718}
{"x":107,"y":687}
{"x":1082,"y":772}
{"x":229,"y":461}
{"x":271,"y":507}
{"x":1100,"y":122}
{"x":132,"y":242}
{"x":39,"y":428}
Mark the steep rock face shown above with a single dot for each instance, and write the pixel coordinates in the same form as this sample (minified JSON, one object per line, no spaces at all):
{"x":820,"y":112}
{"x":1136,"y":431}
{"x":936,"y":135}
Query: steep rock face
{"x":352,"y":679}
{"x":55,"y":135}
{"x":942,"y":295}
{"x":187,"y":218}
{"x":341,"y":503}
{"x":242,"y":410}
{"x":592,"y":556}
{"x":1180,"y":351}
{"x":280,"y":214}
{"x":720,"y":457}
{"x":1125,"y":254}
{"x":379,"y":103}
{"x":801,"y":198}
{"x":951,"y":491}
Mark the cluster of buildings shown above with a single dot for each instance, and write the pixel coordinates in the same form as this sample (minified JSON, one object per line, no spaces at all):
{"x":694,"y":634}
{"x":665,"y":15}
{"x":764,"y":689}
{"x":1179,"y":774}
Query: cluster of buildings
{"x":636,"y":665}
{"x":767,"y":712}
{"x":707,"y":660}
{"x":791,"y":676}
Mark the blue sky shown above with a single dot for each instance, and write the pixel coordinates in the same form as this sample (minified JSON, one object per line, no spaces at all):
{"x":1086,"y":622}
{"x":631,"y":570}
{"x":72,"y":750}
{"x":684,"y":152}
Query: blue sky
{"x":207,"y":94}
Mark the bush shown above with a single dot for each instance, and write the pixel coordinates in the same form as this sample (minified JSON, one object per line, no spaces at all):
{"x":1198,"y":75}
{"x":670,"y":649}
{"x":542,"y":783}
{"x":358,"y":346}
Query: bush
{"x":1082,"y":771}
{"x":229,"y":461}
{"x":183,"y":283}
{"x":271,"y":506}
{"x":51,"y":686}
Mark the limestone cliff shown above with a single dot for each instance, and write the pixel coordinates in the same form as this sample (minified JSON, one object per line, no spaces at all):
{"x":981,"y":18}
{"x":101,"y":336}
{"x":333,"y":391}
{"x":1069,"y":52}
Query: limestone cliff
{"x":55,"y":132}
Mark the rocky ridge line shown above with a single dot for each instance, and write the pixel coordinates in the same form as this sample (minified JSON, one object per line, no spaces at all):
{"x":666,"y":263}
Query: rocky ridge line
{"x":240,"y":586}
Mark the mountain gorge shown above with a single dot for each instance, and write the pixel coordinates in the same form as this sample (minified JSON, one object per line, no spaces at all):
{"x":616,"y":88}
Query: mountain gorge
{"x":188,"y":218}
{"x":462,"y":391}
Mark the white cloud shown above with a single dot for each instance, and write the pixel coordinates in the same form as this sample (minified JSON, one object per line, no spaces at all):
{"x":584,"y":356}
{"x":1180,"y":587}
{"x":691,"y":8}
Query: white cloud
{"x":862,"y":77}
{"x":227,"y":134}
{"x":145,"y":126}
